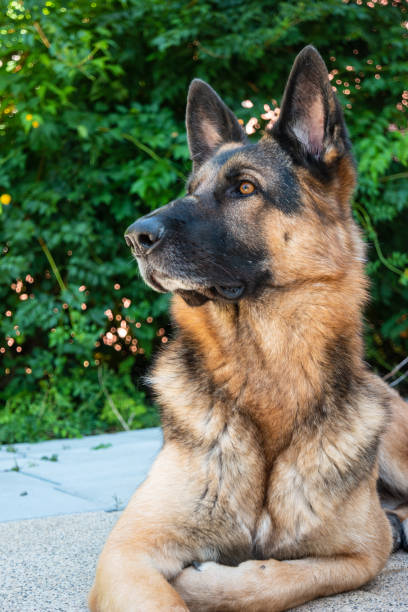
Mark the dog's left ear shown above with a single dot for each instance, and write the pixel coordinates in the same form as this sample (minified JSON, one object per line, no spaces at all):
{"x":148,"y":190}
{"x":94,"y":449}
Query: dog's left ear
{"x":210,"y":123}
{"x":311,"y":125}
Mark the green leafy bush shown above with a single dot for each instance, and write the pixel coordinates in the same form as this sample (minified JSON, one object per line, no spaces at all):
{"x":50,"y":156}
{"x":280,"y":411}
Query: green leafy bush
{"x":92,"y":99}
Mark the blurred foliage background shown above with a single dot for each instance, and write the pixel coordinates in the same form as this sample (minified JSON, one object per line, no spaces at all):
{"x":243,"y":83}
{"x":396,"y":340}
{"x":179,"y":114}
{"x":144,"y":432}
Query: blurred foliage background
{"x":92,"y":98}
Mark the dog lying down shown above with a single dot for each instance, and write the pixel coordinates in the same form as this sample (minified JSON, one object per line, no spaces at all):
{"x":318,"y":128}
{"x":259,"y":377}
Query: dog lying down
{"x":277,"y":436}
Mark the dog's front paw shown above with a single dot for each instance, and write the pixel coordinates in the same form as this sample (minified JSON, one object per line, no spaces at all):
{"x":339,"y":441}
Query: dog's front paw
{"x":201,"y":586}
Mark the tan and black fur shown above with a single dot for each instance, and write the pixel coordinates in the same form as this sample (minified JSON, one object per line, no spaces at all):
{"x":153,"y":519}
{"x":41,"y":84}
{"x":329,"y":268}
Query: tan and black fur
{"x":264,"y":495}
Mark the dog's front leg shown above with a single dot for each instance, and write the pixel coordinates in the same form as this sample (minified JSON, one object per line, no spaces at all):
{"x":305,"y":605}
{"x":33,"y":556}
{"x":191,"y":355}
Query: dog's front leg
{"x":149,"y":546}
{"x":257,"y":586}
{"x":128,"y":581}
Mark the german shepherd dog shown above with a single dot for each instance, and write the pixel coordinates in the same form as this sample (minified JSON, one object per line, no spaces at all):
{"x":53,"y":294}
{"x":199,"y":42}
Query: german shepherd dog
{"x":264,"y":495}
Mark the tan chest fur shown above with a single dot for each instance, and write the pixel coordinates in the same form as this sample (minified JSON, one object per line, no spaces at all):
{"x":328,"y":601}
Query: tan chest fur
{"x":229,"y":473}
{"x":271,"y":465}
{"x":244,"y":505}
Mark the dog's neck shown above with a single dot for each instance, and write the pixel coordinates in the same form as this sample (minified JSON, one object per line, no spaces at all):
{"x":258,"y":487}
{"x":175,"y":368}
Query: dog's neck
{"x":275,"y":355}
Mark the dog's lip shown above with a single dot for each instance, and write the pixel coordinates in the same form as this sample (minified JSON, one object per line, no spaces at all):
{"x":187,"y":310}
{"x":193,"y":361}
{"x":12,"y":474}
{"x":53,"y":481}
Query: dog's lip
{"x":230,"y":292}
{"x":155,"y":284}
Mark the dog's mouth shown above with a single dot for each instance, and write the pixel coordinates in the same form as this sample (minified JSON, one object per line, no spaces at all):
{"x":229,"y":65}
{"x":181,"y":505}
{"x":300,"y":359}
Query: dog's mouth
{"x":195,"y":293}
{"x":196,"y":297}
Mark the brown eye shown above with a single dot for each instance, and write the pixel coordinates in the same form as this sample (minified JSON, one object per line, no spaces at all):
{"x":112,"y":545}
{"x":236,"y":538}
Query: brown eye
{"x":246,"y":188}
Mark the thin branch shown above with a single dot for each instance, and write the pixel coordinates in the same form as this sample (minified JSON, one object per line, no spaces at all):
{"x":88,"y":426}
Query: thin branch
{"x":394,"y":177}
{"x":41,"y":34}
{"x":209,"y":52}
{"x":365,"y":219}
{"x":89,"y":57}
{"x":150,"y":152}
{"x":111,"y":402}
{"x":56,"y":272}
{"x":142,"y":147}
{"x":52,"y":263}
{"x":396,"y":382}
{"x":396,"y":369}
{"x":78,"y":66}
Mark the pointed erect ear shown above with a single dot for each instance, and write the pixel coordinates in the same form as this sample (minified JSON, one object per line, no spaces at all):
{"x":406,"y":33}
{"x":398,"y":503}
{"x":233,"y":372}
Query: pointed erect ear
{"x":210,"y":123}
{"x":311,"y":124}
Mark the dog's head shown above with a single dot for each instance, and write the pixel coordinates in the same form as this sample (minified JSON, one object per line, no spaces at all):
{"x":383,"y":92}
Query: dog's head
{"x":256,"y":217}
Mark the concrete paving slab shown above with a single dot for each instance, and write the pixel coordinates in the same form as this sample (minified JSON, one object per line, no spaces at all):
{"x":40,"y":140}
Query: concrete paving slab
{"x":47,"y":565}
{"x":97,"y":471}
{"x":23,"y":496}
{"x":79,"y":475}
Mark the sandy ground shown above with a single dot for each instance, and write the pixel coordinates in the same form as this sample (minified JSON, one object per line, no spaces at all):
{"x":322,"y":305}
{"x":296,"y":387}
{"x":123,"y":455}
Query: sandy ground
{"x":47,"y":565}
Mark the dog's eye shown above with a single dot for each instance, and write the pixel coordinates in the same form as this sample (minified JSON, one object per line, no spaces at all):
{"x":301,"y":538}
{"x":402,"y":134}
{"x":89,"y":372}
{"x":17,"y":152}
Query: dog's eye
{"x":246,"y":188}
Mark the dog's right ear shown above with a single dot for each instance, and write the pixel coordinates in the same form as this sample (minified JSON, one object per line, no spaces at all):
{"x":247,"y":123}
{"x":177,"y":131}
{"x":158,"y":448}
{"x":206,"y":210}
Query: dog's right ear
{"x":210,"y":123}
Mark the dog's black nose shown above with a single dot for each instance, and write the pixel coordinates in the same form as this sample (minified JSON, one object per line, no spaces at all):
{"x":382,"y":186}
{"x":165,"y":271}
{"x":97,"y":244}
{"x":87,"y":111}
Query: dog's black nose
{"x":145,"y":234}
